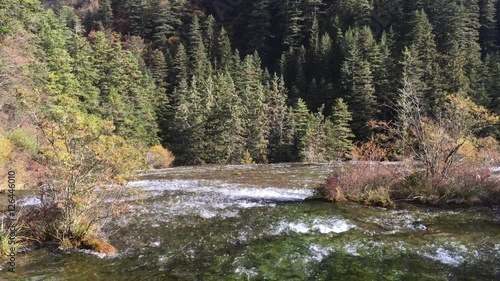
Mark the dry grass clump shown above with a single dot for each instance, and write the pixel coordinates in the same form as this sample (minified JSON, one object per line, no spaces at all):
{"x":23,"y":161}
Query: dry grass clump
{"x":99,"y":246}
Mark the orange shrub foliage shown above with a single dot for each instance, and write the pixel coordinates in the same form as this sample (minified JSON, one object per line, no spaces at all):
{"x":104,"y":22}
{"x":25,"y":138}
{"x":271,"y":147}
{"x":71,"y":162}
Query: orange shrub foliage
{"x":160,"y":157}
{"x":369,"y":151}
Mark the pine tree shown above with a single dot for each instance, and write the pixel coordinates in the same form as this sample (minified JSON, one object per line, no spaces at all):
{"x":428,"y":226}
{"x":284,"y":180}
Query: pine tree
{"x":224,"y":125}
{"x":340,"y":139}
{"x":384,"y":80}
{"x":488,"y":31}
{"x":209,"y":38}
{"x":137,"y":17}
{"x":189,"y":124}
{"x":292,"y":19}
{"x":105,"y":13}
{"x":299,"y":118}
{"x":355,"y":12}
{"x":314,"y":41}
{"x":358,"y":86}
{"x":85,"y":72}
{"x":312,"y":10}
{"x":277,"y":115}
{"x":222,"y":51}
{"x":492,"y":81}
{"x":180,"y":65}
{"x":300,"y":78}
{"x":425,"y":54}
{"x":199,"y":65}
{"x":259,"y":24}
{"x":165,"y":22}
{"x":254,"y":102}
{"x":159,"y":69}
{"x":313,"y":143}
{"x":458,"y":82}
{"x":325,"y":57}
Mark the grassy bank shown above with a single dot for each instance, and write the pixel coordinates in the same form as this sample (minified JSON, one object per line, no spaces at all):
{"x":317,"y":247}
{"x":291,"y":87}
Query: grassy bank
{"x":379,"y":184}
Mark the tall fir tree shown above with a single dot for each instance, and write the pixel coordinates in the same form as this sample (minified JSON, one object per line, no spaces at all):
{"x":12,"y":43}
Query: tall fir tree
{"x":222,"y":52}
{"x":259,"y":25}
{"x":489,"y":29}
{"x":279,"y":144}
{"x":340,"y":139}
{"x":105,"y":13}
{"x":358,"y":86}
{"x":199,"y":65}
{"x":180,"y":65}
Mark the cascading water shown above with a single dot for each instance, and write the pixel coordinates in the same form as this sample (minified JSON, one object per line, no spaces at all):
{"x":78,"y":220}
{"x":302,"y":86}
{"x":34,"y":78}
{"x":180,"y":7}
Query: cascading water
{"x":252,"y":223}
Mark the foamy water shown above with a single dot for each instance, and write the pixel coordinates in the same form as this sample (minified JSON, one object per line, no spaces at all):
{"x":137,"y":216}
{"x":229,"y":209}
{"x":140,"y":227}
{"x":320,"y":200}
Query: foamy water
{"x":323,"y":226}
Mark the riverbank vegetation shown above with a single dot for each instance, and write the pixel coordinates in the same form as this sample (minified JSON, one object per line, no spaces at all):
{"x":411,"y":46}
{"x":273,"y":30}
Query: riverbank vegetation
{"x":91,"y":91}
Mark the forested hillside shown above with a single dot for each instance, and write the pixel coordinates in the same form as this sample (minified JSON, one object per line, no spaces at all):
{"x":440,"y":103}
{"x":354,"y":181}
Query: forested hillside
{"x":265,"y":80}
{"x":243,"y":75}
{"x":95,"y":92}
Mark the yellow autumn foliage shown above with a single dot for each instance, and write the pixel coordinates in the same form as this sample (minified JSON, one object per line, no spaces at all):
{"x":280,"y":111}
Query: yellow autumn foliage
{"x":160,"y":157}
{"x":5,"y":149}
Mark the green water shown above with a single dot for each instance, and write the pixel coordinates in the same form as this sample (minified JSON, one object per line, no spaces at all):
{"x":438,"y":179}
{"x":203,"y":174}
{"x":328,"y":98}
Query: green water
{"x":251,"y":223}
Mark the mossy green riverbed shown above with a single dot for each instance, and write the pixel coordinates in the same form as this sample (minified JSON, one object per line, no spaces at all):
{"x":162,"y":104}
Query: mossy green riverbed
{"x":252,"y":223}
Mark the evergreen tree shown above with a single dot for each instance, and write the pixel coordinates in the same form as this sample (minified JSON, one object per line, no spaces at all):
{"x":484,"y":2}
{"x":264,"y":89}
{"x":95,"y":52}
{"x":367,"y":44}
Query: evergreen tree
{"x":222,"y":51}
{"x":254,"y":102}
{"x":299,"y":119}
{"x":105,"y":13}
{"x":180,"y":65}
{"x":209,"y":38}
{"x":314,"y":42}
{"x":292,"y":19}
{"x":278,"y":142}
{"x":159,"y":69}
{"x":492,"y":81}
{"x":340,"y":139}
{"x":426,"y":59}
{"x":488,"y":31}
{"x":189,"y":124}
{"x":458,"y":82}
{"x":165,"y":22}
{"x":259,"y":24}
{"x":358,"y":86}
{"x":199,"y":65}
{"x":355,"y":12}
{"x":85,"y":73}
{"x":325,"y":57}
{"x":224,"y":126}
{"x":313,"y":143}
{"x":138,"y":18}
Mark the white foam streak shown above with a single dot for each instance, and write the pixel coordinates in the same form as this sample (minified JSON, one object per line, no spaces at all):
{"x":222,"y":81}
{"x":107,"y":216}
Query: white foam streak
{"x":323,"y":226}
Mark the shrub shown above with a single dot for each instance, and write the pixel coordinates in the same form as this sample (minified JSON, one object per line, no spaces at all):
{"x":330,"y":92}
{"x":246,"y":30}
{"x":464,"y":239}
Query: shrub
{"x":160,"y":157}
{"x":365,"y":183}
{"x":247,"y":158}
{"x":6,"y":146}
{"x":88,"y":170}
{"x":24,"y":141}
{"x":6,"y":233}
{"x":369,"y":151}
{"x":464,"y":185}
{"x":381,"y":185}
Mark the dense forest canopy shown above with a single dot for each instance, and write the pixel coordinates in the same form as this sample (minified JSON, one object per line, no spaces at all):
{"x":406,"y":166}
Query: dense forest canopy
{"x":273,"y":80}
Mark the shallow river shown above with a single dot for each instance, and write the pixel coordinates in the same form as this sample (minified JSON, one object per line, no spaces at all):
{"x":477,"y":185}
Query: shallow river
{"x":252,"y":223}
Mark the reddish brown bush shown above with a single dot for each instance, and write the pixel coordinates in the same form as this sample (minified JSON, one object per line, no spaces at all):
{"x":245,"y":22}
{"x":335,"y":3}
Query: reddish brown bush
{"x":368,"y":183}
{"x":381,"y":184}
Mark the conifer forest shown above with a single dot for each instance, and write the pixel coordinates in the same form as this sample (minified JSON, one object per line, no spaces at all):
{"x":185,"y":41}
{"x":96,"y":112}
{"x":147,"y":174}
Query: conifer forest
{"x":376,"y":102}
